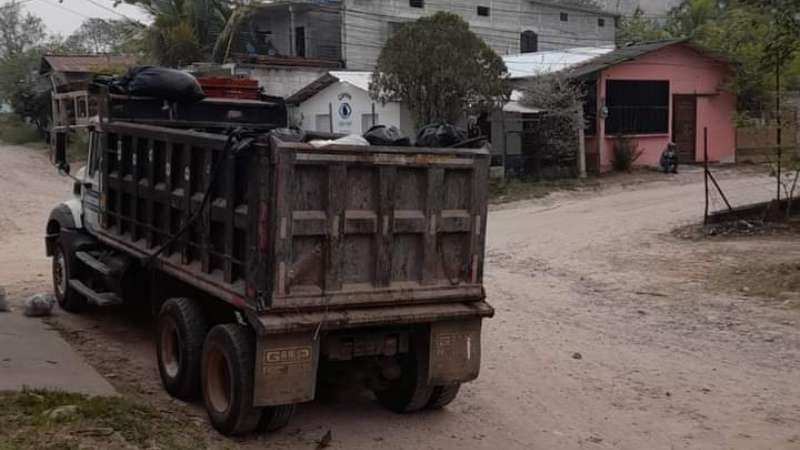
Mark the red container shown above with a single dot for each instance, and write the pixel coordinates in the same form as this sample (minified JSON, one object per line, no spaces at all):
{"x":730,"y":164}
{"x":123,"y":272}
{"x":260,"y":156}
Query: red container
{"x":238,"y":87}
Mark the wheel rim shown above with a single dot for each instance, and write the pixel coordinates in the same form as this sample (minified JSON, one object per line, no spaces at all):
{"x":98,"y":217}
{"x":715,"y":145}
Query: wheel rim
{"x":170,"y":348}
{"x":218,"y":381}
{"x":59,"y":273}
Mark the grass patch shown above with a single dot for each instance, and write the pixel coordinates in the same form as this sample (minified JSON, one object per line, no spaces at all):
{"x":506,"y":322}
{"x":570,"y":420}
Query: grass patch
{"x":515,"y":189}
{"x":16,"y":132}
{"x":97,"y":422}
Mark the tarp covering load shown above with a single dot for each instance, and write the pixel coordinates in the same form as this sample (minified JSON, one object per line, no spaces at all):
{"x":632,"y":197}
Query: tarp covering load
{"x":440,"y":135}
{"x":159,"y":82}
{"x":387,"y":135}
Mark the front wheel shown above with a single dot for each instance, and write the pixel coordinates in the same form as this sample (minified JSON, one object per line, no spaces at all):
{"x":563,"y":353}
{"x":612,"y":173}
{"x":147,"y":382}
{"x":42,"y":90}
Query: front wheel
{"x":67,"y":298}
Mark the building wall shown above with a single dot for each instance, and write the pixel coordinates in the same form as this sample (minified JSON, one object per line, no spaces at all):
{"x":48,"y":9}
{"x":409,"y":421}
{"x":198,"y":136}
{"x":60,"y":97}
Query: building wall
{"x":368,"y":24}
{"x":333,"y":97}
{"x":688,"y":72}
{"x":279,"y":80}
{"x":322,"y":31}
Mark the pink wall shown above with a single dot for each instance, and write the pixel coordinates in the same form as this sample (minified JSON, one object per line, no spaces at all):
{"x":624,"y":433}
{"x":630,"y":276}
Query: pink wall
{"x":688,"y":72}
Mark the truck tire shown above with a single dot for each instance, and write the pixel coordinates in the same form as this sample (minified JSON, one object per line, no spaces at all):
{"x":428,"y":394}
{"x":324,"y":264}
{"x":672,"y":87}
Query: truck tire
{"x":67,"y":298}
{"x":180,"y":331}
{"x":411,"y":391}
{"x":227,"y":372}
{"x":442,"y":396}
{"x":276,"y":417}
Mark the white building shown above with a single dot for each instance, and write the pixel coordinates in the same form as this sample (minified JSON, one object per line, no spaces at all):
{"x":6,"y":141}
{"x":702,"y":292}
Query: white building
{"x":339,"y":102}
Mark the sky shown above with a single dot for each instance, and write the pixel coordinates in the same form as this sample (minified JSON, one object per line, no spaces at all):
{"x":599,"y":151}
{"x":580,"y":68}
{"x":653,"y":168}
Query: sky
{"x":65,"y":17}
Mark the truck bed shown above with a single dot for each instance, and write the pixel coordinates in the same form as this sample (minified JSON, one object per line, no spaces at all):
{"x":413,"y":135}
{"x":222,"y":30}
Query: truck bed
{"x":290,"y":227}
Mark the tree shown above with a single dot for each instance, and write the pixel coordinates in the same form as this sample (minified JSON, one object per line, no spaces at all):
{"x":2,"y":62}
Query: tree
{"x":183,"y":31}
{"x":638,"y":28}
{"x":558,"y":130}
{"x":438,"y":68}
{"x":97,"y":35}
{"x":22,"y":38}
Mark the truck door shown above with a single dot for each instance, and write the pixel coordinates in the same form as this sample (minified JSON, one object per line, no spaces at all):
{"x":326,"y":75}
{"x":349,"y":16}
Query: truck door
{"x":90,"y":194}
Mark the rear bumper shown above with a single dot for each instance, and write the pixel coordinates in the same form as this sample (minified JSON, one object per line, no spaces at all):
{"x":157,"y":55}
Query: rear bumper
{"x":299,"y":322}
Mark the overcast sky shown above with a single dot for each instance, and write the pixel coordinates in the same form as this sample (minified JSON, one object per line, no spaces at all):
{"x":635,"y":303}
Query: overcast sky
{"x":65,"y":17}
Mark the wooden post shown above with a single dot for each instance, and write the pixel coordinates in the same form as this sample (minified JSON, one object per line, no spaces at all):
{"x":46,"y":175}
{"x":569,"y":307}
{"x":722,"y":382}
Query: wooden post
{"x":705,"y":171}
{"x":581,"y":144}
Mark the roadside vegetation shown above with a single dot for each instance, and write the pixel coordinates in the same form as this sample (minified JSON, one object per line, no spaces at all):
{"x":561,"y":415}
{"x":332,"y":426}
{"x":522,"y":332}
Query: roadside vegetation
{"x":16,"y":132}
{"x":41,"y":419}
{"x":516,"y":189}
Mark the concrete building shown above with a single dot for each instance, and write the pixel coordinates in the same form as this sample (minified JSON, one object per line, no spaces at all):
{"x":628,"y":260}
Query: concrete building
{"x":301,"y":36}
{"x":339,"y":102}
{"x":656,"y":93}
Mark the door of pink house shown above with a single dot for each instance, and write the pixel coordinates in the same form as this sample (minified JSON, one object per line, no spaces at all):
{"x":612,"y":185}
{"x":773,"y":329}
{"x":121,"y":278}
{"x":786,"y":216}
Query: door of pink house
{"x":684,"y":126}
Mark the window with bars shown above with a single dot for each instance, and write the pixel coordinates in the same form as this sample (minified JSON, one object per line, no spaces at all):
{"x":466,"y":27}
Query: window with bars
{"x":637,"y":107}
{"x":483,"y":11}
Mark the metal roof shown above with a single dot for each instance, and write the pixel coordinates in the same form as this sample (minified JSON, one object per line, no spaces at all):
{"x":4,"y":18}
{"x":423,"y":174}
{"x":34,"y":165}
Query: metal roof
{"x":83,"y":63}
{"x":359,"y":80}
{"x":629,"y":53}
{"x":526,"y":65}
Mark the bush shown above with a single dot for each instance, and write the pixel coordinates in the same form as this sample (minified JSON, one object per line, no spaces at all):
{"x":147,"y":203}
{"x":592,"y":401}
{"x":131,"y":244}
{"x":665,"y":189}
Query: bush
{"x":16,"y":132}
{"x":78,"y":145}
{"x":626,"y":152}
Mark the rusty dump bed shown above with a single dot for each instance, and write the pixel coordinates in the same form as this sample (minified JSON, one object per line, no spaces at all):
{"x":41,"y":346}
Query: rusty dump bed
{"x":290,"y":228}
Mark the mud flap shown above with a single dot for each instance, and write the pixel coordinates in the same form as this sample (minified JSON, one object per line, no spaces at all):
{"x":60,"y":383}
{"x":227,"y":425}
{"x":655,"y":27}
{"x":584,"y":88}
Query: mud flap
{"x":286,"y":369}
{"x":455,"y":351}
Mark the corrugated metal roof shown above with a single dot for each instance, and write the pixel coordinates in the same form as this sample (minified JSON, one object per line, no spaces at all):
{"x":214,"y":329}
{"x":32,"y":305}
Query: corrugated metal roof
{"x":526,"y":65}
{"x":624,"y":54}
{"x":83,"y":63}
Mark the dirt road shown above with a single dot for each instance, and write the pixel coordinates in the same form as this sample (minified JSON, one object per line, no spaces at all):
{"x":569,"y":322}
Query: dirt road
{"x":609,"y":333}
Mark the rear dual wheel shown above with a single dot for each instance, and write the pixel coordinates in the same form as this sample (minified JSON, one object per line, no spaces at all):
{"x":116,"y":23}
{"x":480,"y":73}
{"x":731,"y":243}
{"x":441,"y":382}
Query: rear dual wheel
{"x":228,"y":369}
{"x":411,"y":391}
{"x":180,"y":332}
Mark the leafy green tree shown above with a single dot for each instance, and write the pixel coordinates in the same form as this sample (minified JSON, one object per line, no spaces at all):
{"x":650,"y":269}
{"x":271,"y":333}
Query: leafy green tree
{"x":639,"y":28}
{"x":183,"y":31}
{"x":22,"y":40}
{"x":439,"y":69}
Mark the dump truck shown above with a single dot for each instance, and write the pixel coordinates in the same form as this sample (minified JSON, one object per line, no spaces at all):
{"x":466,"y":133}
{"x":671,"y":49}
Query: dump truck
{"x":273,"y":265}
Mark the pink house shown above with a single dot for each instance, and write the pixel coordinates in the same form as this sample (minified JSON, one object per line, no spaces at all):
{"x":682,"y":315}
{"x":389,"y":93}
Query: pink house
{"x":657,"y":93}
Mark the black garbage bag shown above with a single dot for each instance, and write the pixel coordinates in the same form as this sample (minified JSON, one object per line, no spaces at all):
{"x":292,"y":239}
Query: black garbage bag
{"x":440,"y":135}
{"x":387,"y":135}
{"x":159,"y":82}
{"x":290,"y":134}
